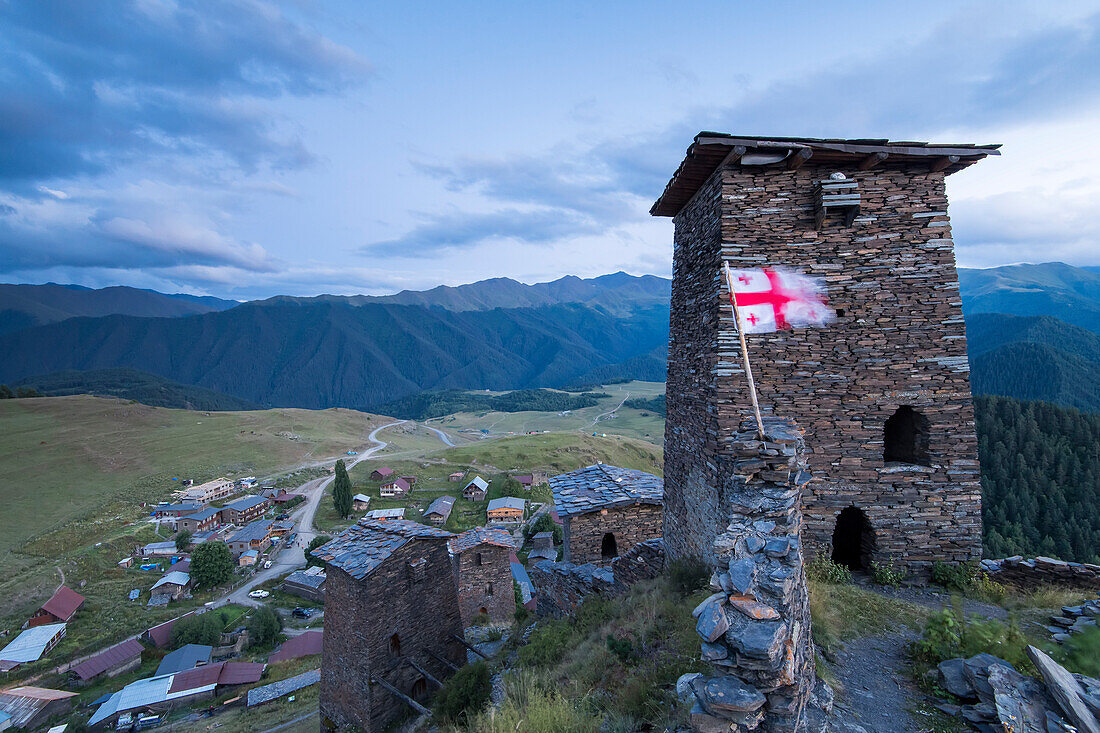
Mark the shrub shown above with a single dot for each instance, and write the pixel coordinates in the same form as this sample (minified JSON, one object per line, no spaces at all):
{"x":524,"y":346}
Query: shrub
{"x":621,"y":648}
{"x":886,"y":574}
{"x":482,"y":619}
{"x":264,"y":627}
{"x":1081,"y":652}
{"x":465,"y":694}
{"x":688,"y":576}
{"x":201,"y":628}
{"x":547,"y":644}
{"x":183,"y":540}
{"x":824,"y":570}
{"x":953,"y":576}
{"x":948,"y":635}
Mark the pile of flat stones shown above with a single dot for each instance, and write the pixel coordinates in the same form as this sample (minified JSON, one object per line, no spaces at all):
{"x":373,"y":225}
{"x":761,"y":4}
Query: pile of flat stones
{"x":996,"y":698}
{"x":1074,"y":619}
{"x":1040,"y":571}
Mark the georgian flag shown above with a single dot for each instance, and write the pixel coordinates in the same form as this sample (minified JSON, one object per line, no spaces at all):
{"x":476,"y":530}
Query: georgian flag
{"x":772,"y":300}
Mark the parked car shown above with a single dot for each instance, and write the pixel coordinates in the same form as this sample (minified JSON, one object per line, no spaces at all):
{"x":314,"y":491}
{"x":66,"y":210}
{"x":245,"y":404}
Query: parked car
{"x":302,"y":612}
{"x":281,"y":517}
{"x":267,"y":564}
{"x":259,"y":593}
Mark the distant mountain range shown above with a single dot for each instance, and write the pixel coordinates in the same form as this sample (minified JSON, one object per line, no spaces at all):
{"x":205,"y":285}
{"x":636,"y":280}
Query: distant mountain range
{"x":1032,"y":330}
{"x":25,"y":306}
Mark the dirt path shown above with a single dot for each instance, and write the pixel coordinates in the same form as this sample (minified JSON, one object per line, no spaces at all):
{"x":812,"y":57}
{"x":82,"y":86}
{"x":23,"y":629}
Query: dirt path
{"x":877,"y":693}
{"x":612,"y":412}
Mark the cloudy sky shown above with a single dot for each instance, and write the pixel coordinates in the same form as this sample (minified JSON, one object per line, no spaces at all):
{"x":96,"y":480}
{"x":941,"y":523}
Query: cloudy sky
{"x":245,"y":149}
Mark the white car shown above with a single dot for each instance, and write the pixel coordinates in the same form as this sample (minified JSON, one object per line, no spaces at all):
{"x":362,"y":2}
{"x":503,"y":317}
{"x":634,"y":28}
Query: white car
{"x":259,"y":594}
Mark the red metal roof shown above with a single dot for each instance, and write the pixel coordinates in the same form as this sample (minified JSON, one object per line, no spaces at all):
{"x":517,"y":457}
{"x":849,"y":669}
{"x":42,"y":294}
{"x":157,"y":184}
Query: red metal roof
{"x":383,"y":471}
{"x":303,"y":645}
{"x":64,"y":603}
{"x":241,"y":673}
{"x":222,"y":673}
{"x":108,"y":658}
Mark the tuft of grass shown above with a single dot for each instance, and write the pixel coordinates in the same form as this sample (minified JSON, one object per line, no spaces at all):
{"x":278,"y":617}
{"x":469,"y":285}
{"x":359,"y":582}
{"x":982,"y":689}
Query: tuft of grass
{"x":535,"y":704}
{"x":842,"y":612}
{"x":824,"y":570}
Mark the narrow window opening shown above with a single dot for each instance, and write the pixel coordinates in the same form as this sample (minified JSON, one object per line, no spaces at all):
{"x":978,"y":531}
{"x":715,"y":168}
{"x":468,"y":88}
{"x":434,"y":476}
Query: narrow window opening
{"x":905,"y":438}
{"x":419,"y":689}
{"x":489,"y":589}
{"x":395,"y":645}
{"x":477,"y":559}
{"x":609,"y":548}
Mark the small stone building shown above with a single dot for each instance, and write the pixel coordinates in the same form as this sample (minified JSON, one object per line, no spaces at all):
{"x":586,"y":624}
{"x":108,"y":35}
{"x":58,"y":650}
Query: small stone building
{"x":606,"y":510}
{"x":483,"y":572}
{"x":391,"y":621}
{"x":883,"y":392}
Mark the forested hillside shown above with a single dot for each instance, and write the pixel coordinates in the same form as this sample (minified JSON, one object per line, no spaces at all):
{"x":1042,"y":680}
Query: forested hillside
{"x":131,"y":384}
{"x":436,"y":404}
{"x":1040,"y":479}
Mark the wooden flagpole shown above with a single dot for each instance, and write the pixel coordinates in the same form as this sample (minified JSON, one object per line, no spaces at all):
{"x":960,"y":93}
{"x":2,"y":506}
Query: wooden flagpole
{"x":744,"y":349}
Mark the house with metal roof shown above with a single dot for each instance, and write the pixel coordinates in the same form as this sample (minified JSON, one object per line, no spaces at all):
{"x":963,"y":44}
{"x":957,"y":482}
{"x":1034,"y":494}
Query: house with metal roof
{"x":394,"y":513}
{"x":606,"y":510}
{"x":30,"y":707}
{"x":439,"y":510}
{"x":303,"y":645}
{"x":391,"y":620}
{"x":60,"y":608}
{"x":114,"y":661}
{"x":30,"y":645}
{"x":186,"y":657}
{"x":253,"y":536}
{"x":174,"y":584}
{"x":152,"y":694}
{"x":394,"y":487}
{"x":381,"y":473}
{"x":308,"y":583}
{"x":160,"y":549}
{"x":248,"y":557}
{"x":245,"y":509}
{"x":476,"y":490}
{"x":360,"y":502}
{"x":506,"y":509}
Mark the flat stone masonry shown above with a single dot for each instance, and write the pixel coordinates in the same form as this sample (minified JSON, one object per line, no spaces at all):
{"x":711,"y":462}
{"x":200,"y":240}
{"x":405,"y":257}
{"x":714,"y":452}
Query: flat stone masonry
{"x":1040,"y":571}
{"x":562,"y":586}
{"x":484,"y":576}
{"x":755,"y":628}
{"x":898,"y":340}
{"x":584,"y":533}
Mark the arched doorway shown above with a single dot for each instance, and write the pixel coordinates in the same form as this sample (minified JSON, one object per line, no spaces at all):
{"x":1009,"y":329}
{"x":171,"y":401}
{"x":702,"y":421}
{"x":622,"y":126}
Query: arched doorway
{"x":483,"y":610}
{"x":419,"y":689}
{"x":905,"y":438}
{"x":609,"y":548}
{"x":853,"y":540}
{"x":395,"y":645}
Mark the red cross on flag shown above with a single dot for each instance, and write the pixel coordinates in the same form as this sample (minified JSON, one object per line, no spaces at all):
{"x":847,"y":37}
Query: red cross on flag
{"x":772,"y":300}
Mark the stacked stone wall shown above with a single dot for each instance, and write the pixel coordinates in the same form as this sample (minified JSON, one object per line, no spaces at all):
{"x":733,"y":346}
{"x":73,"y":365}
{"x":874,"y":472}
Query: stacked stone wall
{"x":630,"y":525}
{"x":899,"y":339}
{"x":474,"y":581}
{"x":755,"y":628}
{"x":360,"y":619}
{"x":1041,"y":571}
{"x":561,"y":586}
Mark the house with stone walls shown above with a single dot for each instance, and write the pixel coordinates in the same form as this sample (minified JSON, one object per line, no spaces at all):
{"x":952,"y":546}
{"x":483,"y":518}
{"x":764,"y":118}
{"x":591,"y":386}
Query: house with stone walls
{"x":883,"y":392}
{"x":606,"y":510}
{"x":392,"y":626}
{"x":483,"y":574}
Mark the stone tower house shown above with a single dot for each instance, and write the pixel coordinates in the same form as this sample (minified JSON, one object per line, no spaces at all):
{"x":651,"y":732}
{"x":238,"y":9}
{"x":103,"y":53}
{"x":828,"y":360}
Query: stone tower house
{"x":883,"y":392}
{"x":482,"y":561}
{"x":392,"y":624}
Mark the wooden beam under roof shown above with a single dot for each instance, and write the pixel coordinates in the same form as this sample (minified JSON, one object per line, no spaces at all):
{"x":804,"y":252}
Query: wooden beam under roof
{"x":872,"y":160}
{"x":798,"y":157}
{"x":941,"y":163}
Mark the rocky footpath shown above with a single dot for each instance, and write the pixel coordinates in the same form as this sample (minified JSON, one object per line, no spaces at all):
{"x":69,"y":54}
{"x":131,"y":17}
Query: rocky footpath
{"x":996,"y":697}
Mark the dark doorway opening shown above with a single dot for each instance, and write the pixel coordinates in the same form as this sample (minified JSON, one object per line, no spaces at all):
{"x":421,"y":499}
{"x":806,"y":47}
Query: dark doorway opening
{"x":395,"y":645}
{"x":905,"y":438}
{"x":609,"y":548}
{"x":419,"y":689}
{"x":853,"y":540}
{"x":483,"y":610}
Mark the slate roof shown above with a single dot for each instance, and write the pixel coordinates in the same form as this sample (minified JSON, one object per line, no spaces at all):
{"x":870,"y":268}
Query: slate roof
{"x":308,"y":577}
{"x":174,"y":578}
{"x":31,"y":644}
{"x":361,"y":548}
{"x":441,"y":506}
{"x":602,"y":486}
{"x":303,"y":645}
{"x":252,"y":531}
{"x":64,"y":603}
{"x":189,"y":506}
{"x":267,"y":693}
{"x":507,"y":502}
{"x":245,"y":502}
{"x":107,"y":659}
{"x":186,"y":657}
{"x":480,"y":536}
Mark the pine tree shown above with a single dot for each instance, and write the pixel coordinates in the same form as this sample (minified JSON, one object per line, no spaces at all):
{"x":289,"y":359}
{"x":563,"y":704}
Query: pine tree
{"x":341,"y":490}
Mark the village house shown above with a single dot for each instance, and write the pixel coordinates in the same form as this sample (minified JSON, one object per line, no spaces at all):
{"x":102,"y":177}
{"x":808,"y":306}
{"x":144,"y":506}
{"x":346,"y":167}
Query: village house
{"x":392,"y":625}
{"x":360,"y":502}
{"x":506,"y":509}
{"x":476,"y":490}
{"x":394,"y":488}
{"x":254,"y":536}
{"x":606,"y":510}
{"x":175,"y":511}
{"x":210,"y":491}
{"x":284,"y":497}
{"x":159,"y":549}
{"x":186,"y":657}
{"x":457,"y":476}
{"x":382,"y":514}
{"x":244,"y":510}
{"x":248,"y":557}
{"x":31,"y":707}
{"x":61,"y":607}
{"x":174,"y":585}
{"x":410,"y":480}
{"x":111,"y":662}
{"x":542,"y":548}
{"x":201,"y":521}
{"x":280,"y":528}
{"x":30,"y":645}
{"x":483,"y":574}
{"x":381,"y":473}
{"x":308,"y":583}
{"x":439,"y":510}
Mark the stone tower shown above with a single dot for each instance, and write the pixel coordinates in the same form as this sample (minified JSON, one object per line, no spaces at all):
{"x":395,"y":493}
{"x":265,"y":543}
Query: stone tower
{"x":883,"y":392}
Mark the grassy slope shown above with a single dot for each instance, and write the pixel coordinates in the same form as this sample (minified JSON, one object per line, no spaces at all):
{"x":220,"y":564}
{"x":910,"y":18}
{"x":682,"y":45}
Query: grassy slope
{"x":628,"y":422}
